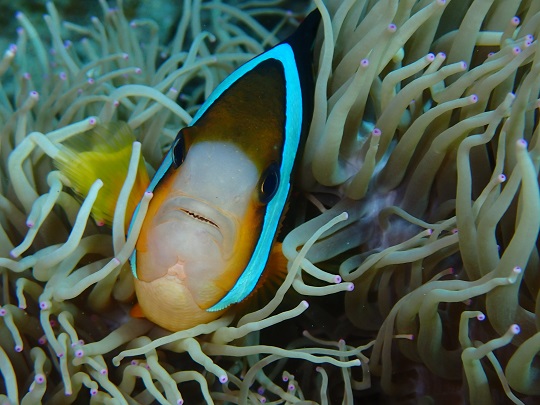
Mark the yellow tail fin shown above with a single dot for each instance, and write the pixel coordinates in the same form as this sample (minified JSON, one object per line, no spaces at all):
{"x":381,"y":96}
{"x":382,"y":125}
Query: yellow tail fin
{"x":103,"y":153}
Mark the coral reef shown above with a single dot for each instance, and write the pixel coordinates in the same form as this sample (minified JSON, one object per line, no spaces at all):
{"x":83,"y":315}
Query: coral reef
{"x":420,"y":174}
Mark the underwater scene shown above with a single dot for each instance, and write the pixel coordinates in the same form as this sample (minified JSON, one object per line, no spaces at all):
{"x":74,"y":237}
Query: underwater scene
{"x":270,"y":201}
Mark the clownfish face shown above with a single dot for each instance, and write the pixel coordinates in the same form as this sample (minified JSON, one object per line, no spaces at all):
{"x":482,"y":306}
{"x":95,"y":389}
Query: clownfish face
{"x":220,"y":192}
{"x":199,"y":233}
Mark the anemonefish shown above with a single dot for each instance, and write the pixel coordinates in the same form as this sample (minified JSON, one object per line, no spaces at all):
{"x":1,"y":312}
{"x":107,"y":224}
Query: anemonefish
{"x":221,"y":190}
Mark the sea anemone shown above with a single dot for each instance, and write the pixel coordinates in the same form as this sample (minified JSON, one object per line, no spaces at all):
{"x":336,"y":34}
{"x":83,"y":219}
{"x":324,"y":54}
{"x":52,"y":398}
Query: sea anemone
{"x":420,"y":177}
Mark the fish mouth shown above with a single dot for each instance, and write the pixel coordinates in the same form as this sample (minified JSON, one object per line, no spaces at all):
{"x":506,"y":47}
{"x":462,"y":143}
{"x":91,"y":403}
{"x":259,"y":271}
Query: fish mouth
{"x":198,"y":217}
{"x":218,"y":222}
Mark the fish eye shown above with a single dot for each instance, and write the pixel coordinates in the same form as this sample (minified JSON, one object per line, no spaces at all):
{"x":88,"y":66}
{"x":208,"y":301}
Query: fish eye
{"x":178,"y":149}
{"x":269,"y":183}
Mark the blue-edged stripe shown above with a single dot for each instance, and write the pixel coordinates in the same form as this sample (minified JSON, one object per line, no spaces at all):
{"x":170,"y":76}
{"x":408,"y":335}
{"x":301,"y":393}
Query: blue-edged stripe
{"x":293,"y":126}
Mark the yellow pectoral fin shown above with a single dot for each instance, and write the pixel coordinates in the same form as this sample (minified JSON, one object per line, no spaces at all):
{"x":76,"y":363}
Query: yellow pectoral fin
{"x":136,"y":311}
{"x":103,"y":153}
